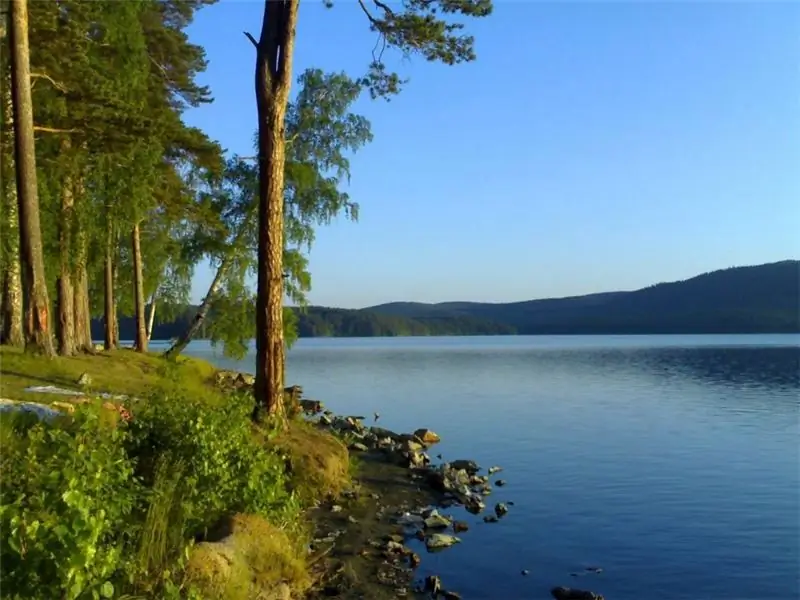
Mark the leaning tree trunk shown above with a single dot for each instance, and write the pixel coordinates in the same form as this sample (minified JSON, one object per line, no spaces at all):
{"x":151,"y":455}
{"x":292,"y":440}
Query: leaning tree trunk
{"x":65,"y":291}
{"x":11,"y":333}
{"x":199,"y":319}
{"x":273,"y":78}
{"x":140,"y":343}
{"x":151,"y":317}
{"x":110,"y":305}
{"x":37,"y":304}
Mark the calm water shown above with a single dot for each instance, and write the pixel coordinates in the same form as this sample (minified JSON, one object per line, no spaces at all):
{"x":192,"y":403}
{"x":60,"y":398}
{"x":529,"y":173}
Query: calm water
{"x":669,"y":461}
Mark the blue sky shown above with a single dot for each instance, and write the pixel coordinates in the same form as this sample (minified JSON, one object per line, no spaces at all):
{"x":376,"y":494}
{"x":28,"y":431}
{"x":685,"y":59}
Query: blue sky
{"x":593,"y":146}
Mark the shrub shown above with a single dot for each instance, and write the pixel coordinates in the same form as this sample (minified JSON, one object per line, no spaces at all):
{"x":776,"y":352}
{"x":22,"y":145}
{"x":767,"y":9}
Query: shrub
{"x":67,"y":489}
{"x":225,"y":470}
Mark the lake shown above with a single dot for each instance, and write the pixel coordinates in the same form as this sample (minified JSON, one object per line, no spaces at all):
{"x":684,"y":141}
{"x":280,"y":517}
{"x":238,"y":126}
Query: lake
{"x":669,"y":461}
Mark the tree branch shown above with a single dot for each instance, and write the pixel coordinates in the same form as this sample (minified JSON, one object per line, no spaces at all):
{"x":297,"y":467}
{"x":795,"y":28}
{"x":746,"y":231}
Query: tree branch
{"x":364,"y":8}
{"x":52,"y":81}
{"x":251,"y":38}
{"x":43,"y":129}
{"x":383,"y":7}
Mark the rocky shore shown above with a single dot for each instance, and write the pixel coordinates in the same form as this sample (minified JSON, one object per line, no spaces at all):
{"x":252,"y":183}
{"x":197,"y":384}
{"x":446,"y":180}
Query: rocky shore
{"x":373,"y":540}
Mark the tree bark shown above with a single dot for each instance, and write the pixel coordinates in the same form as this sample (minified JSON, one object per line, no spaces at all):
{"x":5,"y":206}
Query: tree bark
{"x":140,"y":343}
{"x":273,"y":75}
{"x":81,"y":306}
{"x":199,"y":319}
{"x":11,"y":333}
{"x":110,"y":305}
{"x":152,"y":316}
{"x":37,"y":304}
{"x":65,"y":292}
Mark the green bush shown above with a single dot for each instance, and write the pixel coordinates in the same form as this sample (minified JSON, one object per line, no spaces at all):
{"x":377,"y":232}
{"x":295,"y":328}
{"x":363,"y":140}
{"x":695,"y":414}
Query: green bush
{"x":68,"y":491}
{"x":93,"y":507}
{"x":225,"y":470}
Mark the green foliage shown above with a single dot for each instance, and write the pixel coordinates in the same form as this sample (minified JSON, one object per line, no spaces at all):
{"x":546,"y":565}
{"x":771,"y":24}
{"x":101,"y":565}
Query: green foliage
{"x":225,"y":469}
{"x":418,"y":27}
{"x":61,"y":520}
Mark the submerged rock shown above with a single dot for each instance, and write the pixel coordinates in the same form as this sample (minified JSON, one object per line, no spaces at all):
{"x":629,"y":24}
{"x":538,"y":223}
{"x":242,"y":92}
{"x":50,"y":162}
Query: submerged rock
{"x":500,"y":482}
{"x":565,"y":593}
{"x":460,"y":526}
{"x":440,"y":540}
{"x":500,"y":509}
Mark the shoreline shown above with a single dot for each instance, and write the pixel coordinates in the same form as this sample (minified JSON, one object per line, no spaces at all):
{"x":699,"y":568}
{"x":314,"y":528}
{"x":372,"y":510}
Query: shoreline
{"x":371,"y":527}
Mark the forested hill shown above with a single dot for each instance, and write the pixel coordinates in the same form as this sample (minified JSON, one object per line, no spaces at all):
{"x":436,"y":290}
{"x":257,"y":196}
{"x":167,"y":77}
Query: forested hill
{"x":763,"y":298}
{"x":757,"y":299}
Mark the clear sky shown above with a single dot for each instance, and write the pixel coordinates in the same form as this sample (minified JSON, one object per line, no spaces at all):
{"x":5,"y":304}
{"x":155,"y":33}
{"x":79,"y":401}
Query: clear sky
{"x":593,"y":146}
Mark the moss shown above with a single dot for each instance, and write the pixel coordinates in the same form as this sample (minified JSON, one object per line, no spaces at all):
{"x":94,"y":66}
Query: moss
{"x":253,"y":560}
{"x":117,"y":372}
{"x":319,"y":462}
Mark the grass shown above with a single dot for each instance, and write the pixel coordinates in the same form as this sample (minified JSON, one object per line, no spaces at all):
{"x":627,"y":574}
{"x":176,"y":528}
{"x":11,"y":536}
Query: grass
{"x":319,"y":463}
{"x":116,"y":372}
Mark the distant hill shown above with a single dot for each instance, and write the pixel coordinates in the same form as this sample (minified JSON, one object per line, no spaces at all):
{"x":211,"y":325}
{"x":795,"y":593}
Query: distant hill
{"x":756,"y":299}
{"x":763,"y":298}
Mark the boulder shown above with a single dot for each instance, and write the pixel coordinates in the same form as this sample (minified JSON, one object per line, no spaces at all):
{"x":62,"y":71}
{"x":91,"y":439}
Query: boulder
{"x":470,"y":466}
{"x":427,"y":436}
{"x":500,"y":509}
{"x":311,"y":407}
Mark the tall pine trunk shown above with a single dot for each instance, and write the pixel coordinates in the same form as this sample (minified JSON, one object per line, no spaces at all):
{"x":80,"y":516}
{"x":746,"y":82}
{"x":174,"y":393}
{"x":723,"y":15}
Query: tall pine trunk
{"x":65,"y":291}
{"x":200,"y":317}
{"x":109,"y":304}
{"x":273,"y":76}
{"x":82,"y":309}
{"x":140,"y":342}
{"x":81,"y":306}
{"x":11,"y":333}
{"x":37,"y":303}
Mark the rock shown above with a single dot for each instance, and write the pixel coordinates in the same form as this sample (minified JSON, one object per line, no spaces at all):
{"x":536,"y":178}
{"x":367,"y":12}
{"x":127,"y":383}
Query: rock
{"x":440,"y":540}
{"x":351,"y":519}
{"x":448,"y":595}
{"x":470,"y":466}
{"x":474,"y":505}
{"x":493,"y":470}
{"x":336,"y":508}
{"x":244,"y":379}
{"x":594,"y":569}
{"x":460,"y":526}
{"x":358,"y":446}
{"x":412,"y":520}
{"x":414,"y":560}
{"x":565,"y":593}
{"x":311,"y":407}
{"x":411,"y":446}
{"x":500,"y":482}
{"x":394,"y":537}
{"x":490,"y":519}
{"x":427,"y":436}
{"x":325,"y":420}
{"x":84,"y":380}
{"x":437,"y":521}
{"x":500,"y":509}
{"x":433,"y":585}
{"x":99,"y":347}
{"x":393,"y":546}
